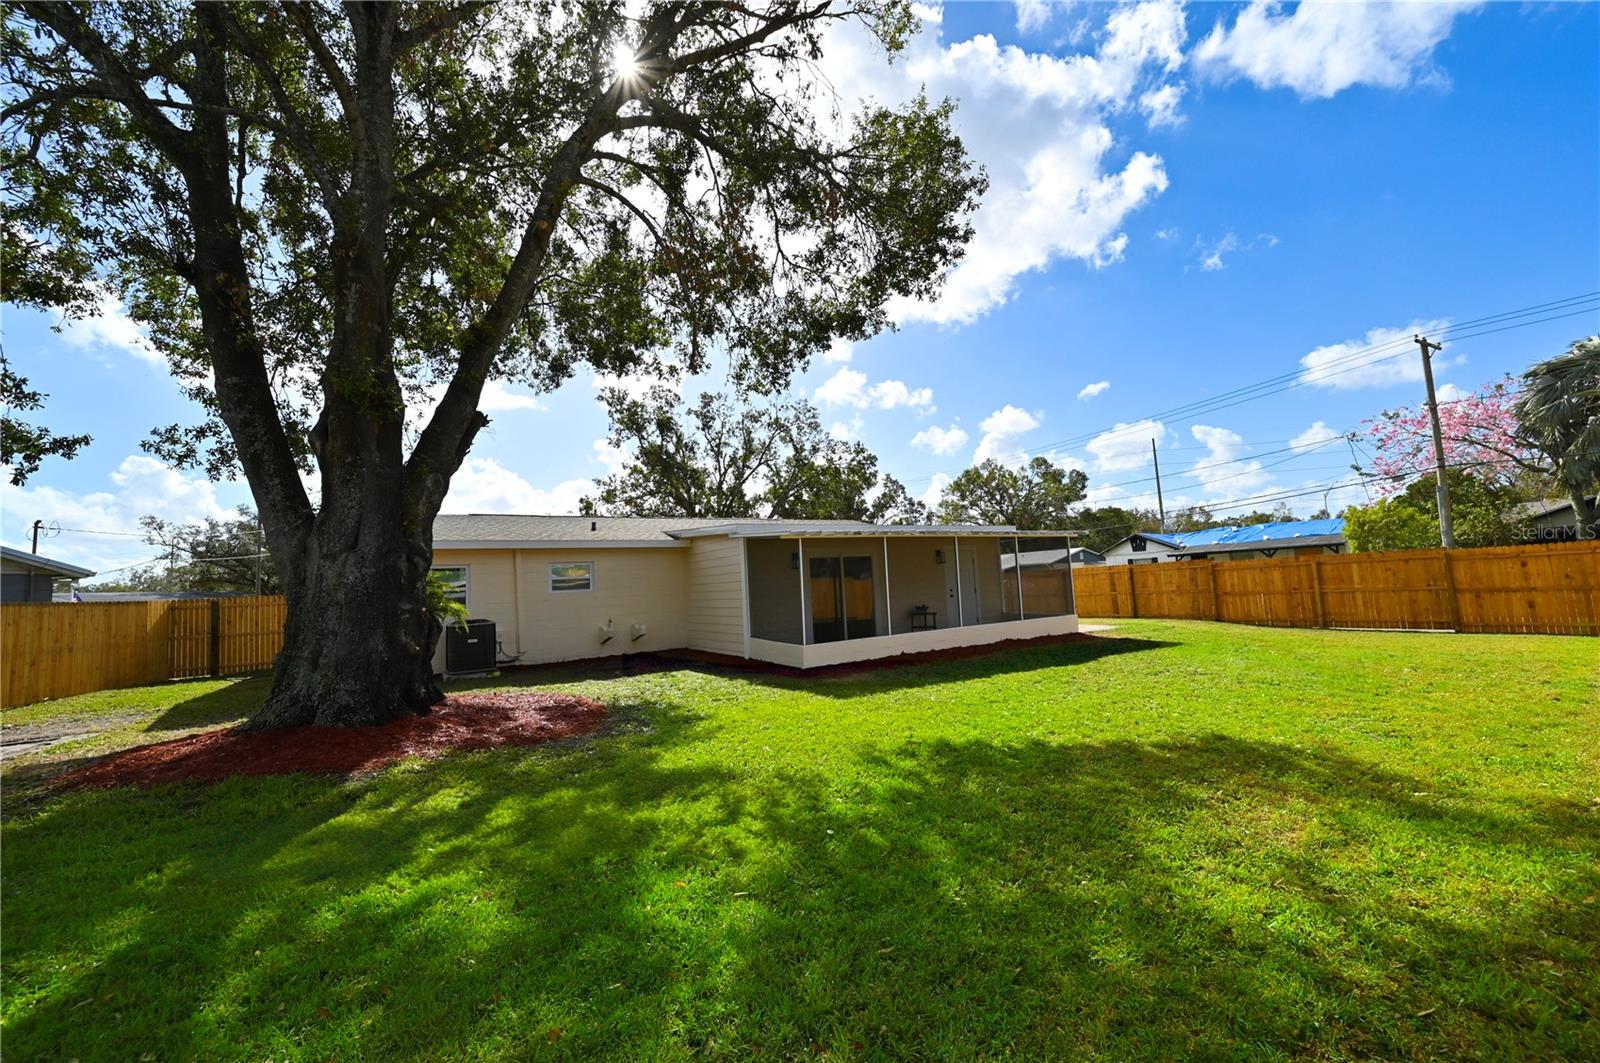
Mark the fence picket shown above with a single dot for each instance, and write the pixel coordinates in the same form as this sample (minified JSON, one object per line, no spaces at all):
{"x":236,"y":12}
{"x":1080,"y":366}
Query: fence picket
{"x":50,"y":650}
{"x":1544,"y":589}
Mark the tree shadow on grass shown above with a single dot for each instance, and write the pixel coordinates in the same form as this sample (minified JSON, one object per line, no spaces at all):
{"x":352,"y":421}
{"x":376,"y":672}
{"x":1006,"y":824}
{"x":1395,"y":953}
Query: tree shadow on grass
{"x":643,"y":896}
{"x":839,"y":681}
{"x":225,"y":705}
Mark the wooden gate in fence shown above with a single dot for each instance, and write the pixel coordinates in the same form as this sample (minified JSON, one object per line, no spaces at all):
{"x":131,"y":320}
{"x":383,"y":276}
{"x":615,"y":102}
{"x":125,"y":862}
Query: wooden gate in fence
{"x":53,"y":651}
{"x":1551,"y":589}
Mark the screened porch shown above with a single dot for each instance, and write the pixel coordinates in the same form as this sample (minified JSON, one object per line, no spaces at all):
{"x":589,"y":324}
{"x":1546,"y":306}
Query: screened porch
{"x":830,"y":598}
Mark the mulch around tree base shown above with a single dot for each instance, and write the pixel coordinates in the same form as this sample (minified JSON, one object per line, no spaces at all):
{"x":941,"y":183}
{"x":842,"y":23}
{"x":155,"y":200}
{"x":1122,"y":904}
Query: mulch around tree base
{"x":462,"y":721}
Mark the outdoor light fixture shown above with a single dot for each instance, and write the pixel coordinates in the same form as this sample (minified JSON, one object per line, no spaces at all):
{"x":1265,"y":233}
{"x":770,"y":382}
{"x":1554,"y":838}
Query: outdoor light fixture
{"x":938,"y":557}
{"x":794,"y":560}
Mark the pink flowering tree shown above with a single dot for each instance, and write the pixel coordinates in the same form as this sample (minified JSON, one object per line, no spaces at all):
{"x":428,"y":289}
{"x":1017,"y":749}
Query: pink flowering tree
{"x":1544,"y":424}
{"x":1482,"y":436}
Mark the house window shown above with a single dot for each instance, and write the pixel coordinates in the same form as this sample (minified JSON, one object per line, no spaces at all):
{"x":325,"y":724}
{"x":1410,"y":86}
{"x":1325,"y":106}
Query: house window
{"x":1138,"y":544}
{"x":572,"y":576}
{"x":455,"y":581}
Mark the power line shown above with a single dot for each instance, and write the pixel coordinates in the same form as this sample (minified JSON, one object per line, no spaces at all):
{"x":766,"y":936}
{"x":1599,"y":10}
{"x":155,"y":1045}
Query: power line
{"x":1384,"y":351}
{"x":96,"y":531}
{"x":1256,"y":500}
{"x":1300,"y":451}
{"x":1350,"y":362}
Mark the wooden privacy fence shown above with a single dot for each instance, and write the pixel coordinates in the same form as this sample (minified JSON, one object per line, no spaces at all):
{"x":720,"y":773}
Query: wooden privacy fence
{"x":1551,"y":589}
{"x":55,"y":650}
{"x":1045,"y":592}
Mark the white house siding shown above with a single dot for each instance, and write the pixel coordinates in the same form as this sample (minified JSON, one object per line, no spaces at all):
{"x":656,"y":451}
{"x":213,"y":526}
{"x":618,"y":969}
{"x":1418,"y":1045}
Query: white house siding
{"x":714,"y":592}
{"x":1124,"y":554}
{"x":631,"y":586}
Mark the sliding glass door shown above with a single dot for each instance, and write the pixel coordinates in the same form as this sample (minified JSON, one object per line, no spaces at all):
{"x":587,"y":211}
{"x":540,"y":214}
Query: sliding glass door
{"x":843,"y":599}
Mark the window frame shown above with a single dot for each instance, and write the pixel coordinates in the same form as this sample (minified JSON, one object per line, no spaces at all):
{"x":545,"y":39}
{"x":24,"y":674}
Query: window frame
{"x":466,"y":580}
{"x":553,"y":589}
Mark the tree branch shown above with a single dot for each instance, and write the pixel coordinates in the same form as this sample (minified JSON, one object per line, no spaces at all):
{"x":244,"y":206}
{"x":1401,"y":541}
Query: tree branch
{"x":175,"y":142}
{"x":294,"y":123}
{"x":442,"y":19}
{"x":300,"y":14}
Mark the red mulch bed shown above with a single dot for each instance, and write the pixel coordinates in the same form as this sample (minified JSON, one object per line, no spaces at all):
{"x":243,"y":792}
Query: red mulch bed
{"x":463,"y":721}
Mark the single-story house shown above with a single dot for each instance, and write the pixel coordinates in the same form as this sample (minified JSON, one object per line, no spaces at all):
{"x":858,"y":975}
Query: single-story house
{"x":1142,"y":548}
{"x":1054,"y":559}
{"x":1248,"y":542}
{"x":26,"y":577}
{"x":1552,"y":521}
{"x":796,"y":593}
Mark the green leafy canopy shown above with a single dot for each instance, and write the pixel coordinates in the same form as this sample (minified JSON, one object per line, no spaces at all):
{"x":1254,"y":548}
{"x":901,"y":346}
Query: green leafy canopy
{"x":739,"y":456}
{"x":528,"y":203}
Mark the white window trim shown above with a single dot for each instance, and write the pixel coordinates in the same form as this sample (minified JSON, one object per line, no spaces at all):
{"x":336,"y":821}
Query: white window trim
{"x":551,"y":572}
{"x":466,"y":580}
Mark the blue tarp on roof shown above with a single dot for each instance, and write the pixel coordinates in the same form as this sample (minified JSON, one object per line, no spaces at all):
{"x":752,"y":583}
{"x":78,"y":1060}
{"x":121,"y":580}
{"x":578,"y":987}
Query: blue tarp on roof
{"x":1260,"y":533}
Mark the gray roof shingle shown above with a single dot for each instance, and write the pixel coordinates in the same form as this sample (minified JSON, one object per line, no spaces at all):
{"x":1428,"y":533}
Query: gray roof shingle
{"x":478,"y":528}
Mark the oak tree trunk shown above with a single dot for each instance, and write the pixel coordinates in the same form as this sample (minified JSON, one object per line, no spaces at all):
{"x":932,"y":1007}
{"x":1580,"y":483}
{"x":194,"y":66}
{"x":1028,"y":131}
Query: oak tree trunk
{"x":358,"y":646}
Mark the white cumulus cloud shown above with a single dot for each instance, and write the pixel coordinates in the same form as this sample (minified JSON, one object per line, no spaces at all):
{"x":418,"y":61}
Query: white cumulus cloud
{"x":1320,"y":49}
{"x":839,"y":351}
{"x":1222,"y":473}
{"x":1061,"y":185}
{"x":1318,"y":434}
{"x":1382,"y":358}
{"x":849,"y":387}
{"x":1125,"y":446}
{"x":1000,"y":431}
{"x":497,"y":397}
{"x":941,"y":440}
{"x":1089,"y":391}
{"x":1033,"y":15}
{"x":484,"y":485}
{"x":935,"y":492}
{"x":1160,"y":105}
{"x":109,"y":326}
{"x":105,"y":523}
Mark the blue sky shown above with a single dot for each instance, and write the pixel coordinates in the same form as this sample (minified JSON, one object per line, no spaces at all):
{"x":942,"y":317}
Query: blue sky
{"x":1185,"y":201}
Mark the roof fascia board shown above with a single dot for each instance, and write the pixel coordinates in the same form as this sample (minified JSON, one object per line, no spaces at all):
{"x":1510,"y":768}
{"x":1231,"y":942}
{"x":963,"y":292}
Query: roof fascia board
{"x":558,"y":544}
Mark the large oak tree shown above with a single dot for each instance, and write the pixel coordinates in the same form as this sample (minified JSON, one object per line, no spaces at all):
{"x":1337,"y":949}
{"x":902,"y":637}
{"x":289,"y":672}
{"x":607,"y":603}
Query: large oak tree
{"x":736,"y":456}
{"x":333,"y":217}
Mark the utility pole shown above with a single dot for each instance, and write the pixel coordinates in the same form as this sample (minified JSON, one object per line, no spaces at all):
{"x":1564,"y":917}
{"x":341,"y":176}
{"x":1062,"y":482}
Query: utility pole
{"x":36,"y":526}
{"x":1161,"y":507}
{"x":1447,"y":530}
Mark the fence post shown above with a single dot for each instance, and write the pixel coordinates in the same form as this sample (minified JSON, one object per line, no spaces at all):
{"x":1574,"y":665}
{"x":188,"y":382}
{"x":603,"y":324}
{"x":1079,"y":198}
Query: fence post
{"x":1316,"y":591}
{"x":216,"y":637}
{"x":1450,"y":590}
{"x":1216,"y":607}
{"x":1133,"y":595}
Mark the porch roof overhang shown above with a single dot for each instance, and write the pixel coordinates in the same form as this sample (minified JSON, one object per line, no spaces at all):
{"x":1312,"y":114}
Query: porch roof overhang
{"x":803,"y":530}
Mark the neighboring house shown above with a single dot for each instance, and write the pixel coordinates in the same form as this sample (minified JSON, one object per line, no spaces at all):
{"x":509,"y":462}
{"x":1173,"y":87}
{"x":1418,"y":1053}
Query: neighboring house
{"x":1142,"y":548}
{"x":26,"y":577}
{"x":1054,"y":559}
{"x":797,"y":593}
{"x":1249,"y":542}
{"x":1553,"y":521}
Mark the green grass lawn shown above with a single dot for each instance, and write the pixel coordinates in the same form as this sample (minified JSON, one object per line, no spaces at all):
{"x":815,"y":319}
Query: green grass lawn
{"x":1186,"y":840}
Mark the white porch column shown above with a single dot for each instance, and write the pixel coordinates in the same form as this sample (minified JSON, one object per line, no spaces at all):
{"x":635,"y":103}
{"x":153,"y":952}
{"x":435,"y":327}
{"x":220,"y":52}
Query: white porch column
{"x":804,"y":637}
{"x":961,"y":613}
{"x":888,"y":602}
{"x":1016,"y":542}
